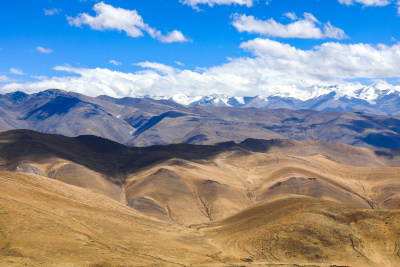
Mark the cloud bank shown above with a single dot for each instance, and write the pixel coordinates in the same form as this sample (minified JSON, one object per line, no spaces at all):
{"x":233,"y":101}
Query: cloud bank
{"x":119,"y":19}
{"x":274,"y":68}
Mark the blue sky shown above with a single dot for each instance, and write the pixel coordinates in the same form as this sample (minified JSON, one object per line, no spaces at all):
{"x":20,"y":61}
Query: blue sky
{"x":194,"y":49}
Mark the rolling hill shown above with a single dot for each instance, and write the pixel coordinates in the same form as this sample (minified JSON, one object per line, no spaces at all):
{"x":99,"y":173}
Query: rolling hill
{"x":266,"y":202}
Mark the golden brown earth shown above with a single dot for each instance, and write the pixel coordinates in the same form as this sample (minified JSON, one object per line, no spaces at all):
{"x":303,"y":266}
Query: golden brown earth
{"x":65,"y":202}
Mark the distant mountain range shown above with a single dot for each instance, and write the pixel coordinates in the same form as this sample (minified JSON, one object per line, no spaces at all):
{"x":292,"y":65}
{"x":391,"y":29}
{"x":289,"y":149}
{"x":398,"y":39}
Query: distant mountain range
{"x":147,"y":121}
{"x":378,"y":99}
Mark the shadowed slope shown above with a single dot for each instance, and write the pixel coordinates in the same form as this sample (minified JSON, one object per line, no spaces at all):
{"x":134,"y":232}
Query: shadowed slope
{"x":99,"y":154}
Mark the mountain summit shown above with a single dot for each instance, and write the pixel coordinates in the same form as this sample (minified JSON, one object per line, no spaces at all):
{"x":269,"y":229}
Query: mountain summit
{"x":379,"y":98}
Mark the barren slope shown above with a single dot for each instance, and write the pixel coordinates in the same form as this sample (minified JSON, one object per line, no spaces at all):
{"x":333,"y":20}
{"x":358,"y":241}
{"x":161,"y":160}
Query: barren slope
{"x":306,"y":230}
{"x":45,"y":222}
{"x":48,"y":223}
{"x":192,"y":192}
{"x":194,"y":184}
{"x":268,"y":202}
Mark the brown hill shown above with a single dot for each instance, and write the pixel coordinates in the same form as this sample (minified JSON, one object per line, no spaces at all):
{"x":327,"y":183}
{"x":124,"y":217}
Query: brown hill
{"x":306,"y":230}
{"x":48,"y":223}
{"x":189,"y":192}
{"x":267,"y":202}
{"x":194,"y":184}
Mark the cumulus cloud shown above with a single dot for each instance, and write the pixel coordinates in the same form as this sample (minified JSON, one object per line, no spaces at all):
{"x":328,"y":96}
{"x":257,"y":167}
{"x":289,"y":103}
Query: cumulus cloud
{"x":119,"y":19}
{"x":194,"y":3}
{"x":44,"y":50}
{"x":52,"y":12}
{"x":274,"y":68}
{"x":114,"y":62}
{"x":16,"y":71}
{"x":329,"y":60}
{"x":308,"y":27}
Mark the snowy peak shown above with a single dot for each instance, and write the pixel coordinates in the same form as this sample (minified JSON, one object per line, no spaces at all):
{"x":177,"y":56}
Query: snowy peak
{"x":379,"y":98}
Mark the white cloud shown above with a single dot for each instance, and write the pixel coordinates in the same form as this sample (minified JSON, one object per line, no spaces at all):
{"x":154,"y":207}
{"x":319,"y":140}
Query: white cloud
{"x":52,"y":12}
{"x":274,"y":69}
{"x":308,"y":27}
{"x":372,"y":3}
{"x":366,"y":2}
{"x":174,"y":36}
{"x":5,"y":79}
{"x":330,"y":60}
{"x":114,"y":62}
{"x":44,"y":50}
{"x":16,"y":71}
{"x":111,"y":18}
{"x":194,"y":3}
{"x":291,"y":15}
{"x":40,"y":77}
{"x":160,"y":68}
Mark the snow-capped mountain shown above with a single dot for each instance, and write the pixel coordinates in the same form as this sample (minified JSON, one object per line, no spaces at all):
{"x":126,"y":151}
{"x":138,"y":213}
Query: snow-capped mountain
{"x":378,"y":98}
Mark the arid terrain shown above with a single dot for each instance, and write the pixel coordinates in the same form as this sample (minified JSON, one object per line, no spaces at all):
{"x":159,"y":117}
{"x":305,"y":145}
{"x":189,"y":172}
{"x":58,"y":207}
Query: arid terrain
{"x":204,"y":133}
{"x":92,"y":202}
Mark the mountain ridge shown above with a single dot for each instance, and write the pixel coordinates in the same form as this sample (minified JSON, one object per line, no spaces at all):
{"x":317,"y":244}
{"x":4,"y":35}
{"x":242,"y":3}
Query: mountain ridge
{"x":378,"y":98}
{"x":145,"y":121}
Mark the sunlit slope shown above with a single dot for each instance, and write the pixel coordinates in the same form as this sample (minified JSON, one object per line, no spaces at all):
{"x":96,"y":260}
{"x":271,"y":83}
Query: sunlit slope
{"x":49,"y":223}
{"x":192,"y":192}
{"x":45,"y":222}
{"x":305,"y":231}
